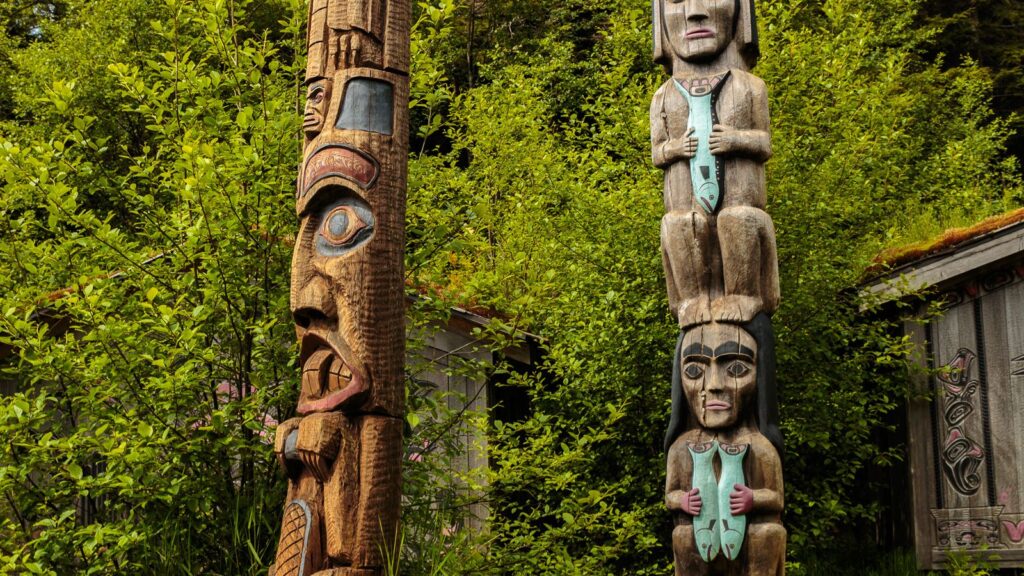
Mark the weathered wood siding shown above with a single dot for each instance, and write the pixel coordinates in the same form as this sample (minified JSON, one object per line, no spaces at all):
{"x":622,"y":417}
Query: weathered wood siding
{"x":440,"y":362}
{"x":967,"y":440}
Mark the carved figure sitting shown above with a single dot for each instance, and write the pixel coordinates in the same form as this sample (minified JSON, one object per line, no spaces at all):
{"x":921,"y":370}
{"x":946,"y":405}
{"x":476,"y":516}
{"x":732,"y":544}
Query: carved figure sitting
{"x":710,"y":133}
{"x":724,"y":482}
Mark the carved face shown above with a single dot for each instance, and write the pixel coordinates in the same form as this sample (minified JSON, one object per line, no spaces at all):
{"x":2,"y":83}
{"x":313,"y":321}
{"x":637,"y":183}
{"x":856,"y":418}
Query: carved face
{"x":318,"y":98}
{"x":699,"y":30}
{"x":336,"y":228}
{"x":719,"y":373}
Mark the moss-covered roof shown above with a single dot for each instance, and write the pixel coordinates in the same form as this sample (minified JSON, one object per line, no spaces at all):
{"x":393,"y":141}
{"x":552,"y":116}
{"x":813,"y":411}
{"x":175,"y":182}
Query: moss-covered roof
{"x":902,"y":255}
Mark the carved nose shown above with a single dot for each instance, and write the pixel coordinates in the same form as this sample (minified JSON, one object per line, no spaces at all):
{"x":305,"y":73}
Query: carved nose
{"x":696,"y":10}
{"x":312,"y":301}
{"x":715,"y":382}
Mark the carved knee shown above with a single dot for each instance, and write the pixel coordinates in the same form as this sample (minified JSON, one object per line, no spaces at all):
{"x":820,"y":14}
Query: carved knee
{"x":678,"y":220}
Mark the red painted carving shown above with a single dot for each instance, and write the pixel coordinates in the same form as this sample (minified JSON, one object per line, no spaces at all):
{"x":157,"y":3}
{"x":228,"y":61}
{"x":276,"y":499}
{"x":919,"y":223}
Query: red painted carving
{"x":1014,"y":531}
{"x":339,"y":161}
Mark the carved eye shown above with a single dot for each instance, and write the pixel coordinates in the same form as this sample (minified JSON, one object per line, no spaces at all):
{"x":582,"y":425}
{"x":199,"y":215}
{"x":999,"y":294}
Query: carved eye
{"x":344,"y":225}
{"x":737,"y":369}
{"x":693,"y":370}
{"x":316,"y":95}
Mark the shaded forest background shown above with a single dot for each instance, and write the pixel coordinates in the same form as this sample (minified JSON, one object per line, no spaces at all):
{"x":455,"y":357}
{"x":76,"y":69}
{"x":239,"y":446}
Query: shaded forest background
{"x":148,"y":152}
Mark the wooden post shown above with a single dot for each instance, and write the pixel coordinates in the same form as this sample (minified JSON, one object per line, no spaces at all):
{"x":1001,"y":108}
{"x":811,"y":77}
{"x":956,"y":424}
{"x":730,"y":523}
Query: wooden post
{"x":343,"y":451}
{"x":710,"y":134}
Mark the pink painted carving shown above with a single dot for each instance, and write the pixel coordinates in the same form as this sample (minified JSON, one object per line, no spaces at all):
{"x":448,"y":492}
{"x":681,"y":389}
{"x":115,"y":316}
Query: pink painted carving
{"x":741,"y":500}
{"x":1014,"y":531}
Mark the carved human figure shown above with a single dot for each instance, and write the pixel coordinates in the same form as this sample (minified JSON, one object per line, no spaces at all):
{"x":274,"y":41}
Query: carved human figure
{"x":710,"y":133}
{"x":318,"y":98}
{"x":724,"y":483}
{"x":342,"y":452}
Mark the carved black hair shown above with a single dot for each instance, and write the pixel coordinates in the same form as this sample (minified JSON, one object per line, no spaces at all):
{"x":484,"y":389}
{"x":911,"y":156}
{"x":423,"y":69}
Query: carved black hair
{"x":767,"y":416}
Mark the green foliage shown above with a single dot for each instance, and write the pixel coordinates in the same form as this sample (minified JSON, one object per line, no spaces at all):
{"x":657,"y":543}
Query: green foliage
{"x":991,"y":33}
{"x":149,"y":176}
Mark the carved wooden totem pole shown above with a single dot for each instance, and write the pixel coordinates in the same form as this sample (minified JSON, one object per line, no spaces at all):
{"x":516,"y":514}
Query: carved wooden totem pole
{"x":342,"y":454}
{"x":710,"y":134}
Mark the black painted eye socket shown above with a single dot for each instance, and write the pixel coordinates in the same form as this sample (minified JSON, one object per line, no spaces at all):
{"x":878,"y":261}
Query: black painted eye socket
{"x":343,"y":226}
{"x":737,"y":369}
{"x":693,"y":370}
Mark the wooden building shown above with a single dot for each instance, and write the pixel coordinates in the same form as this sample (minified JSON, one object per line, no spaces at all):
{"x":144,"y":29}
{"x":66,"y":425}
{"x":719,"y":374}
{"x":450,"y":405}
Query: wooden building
{"x":454,"y":362}
{"x":965,"y":431}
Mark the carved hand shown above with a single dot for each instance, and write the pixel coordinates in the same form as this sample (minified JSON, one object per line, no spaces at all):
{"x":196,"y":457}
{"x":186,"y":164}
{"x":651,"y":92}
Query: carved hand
{"x":318,"y":443}
{"x":725,"y":139}
{"x":281,"y":438}
{"x":681,"y":148}
{"x":683,"y":501}
{"x":741,"y":500}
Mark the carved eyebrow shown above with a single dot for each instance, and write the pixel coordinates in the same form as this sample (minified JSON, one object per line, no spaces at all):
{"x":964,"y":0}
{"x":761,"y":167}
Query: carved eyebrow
{"x":733,"y":348}
{"x":697,"y":349}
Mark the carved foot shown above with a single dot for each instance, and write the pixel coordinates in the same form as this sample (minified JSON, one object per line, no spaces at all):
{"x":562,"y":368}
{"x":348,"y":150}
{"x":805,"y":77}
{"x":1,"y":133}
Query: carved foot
{"x":350,"y":572}
{"x":736,"y":309}
{"x":694,"y":311}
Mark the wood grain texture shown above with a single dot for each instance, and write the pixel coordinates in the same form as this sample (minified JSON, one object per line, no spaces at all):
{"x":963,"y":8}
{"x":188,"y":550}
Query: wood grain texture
{"x":921,"y":448}
{"x":343,"y":452}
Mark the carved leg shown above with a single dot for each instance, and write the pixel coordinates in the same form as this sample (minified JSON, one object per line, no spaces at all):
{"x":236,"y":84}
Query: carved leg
{"x":380,"y":477}
{"x":685,"y":252}
{"x":766,"y":550}
{"x":746,"y":237}
{"x":684,"y":548}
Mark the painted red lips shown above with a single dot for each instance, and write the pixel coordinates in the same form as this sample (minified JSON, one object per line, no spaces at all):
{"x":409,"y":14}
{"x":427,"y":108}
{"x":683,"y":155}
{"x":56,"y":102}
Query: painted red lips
{"x":328,"y":383}
{"x":717,"y":405}
{"x":700,"y":33}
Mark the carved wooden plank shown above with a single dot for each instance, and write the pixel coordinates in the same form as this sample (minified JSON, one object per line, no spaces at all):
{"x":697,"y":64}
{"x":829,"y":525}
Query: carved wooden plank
{"x":921,"y":448}
{"x":1003,"y":428}
{"x":1014,"y":320}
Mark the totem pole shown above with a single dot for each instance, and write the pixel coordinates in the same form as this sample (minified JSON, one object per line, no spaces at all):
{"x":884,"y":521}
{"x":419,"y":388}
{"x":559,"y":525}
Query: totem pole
{"x":710,"y":134}
{"x":342,"y":453}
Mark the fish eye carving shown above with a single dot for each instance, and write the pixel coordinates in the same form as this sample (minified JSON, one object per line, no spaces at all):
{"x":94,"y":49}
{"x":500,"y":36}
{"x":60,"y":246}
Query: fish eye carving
{"x":343,"y":226}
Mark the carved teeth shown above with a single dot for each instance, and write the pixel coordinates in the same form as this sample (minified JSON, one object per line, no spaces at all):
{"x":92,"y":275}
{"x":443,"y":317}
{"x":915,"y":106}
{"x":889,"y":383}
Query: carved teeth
{"x":340,"y":375}
{"x":313,"y":380}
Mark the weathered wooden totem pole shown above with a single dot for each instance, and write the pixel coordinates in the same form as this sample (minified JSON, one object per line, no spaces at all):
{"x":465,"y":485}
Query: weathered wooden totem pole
{"x":710,"y":134}
{"x":342,"y":454}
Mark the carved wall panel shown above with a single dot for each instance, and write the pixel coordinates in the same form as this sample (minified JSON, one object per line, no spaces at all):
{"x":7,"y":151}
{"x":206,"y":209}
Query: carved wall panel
{"x":967,"y":443}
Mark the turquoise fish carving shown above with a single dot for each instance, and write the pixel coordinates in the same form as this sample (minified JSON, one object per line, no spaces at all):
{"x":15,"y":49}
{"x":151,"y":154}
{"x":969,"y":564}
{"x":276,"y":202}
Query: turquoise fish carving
{"x":705,"y":524}
{"x":733,"y":528}
{"x":705,"y":168}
